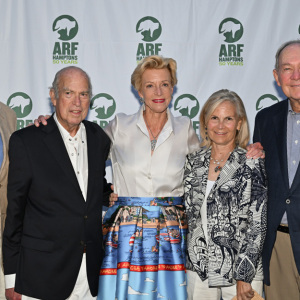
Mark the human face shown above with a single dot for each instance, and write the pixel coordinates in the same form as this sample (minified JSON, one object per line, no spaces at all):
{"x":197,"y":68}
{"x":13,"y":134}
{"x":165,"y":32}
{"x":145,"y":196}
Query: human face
{"x":73,"y":101}
{"x":156,"y":89}
{"x":222,"y":124}
{"x":288,"y":74}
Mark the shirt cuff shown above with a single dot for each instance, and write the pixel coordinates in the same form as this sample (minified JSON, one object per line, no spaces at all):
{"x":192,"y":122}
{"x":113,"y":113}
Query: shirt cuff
{"x":10,"y":281}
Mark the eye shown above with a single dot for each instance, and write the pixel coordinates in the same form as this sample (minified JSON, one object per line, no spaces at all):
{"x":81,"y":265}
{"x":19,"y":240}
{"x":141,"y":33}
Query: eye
{"x":229,"y":118}
{"x":84,"y":95}
{"x":214,"y":118}
{"x":68,"y":94}
{"x":149,"y":86}
{"x":287,"y":69}
{"x":166,"y":84}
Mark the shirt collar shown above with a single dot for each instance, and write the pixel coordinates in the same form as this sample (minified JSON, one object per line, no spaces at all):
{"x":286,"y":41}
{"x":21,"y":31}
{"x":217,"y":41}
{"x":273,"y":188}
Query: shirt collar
{"x":169,"y":126}
{"x":66,"y":135}
{"x":290,"y":109}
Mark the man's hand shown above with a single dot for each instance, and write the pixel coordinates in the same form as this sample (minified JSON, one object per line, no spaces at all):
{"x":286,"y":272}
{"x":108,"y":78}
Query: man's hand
{"x":10,"y":294}
{"x":112,"y":197}
{"x":255,"y":150}
{"x":244,"y":290}
{"x":41,"y":119}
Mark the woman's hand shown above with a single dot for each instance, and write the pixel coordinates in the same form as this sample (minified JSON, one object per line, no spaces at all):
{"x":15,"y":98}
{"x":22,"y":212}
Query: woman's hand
{"x":255,"y":150}
{"x":112,"y":197}
{"x":244,"y":290}
{"x":41,"y":119}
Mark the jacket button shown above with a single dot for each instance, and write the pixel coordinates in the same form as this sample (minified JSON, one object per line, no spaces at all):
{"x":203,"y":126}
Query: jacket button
{"x":82,"y":243}
{"x":287,"y":201}
{"x":85,"y":217}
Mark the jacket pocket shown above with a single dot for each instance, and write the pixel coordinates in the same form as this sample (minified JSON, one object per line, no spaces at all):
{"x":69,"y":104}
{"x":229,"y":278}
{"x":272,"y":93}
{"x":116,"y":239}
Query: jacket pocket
{"x":37,"y":244}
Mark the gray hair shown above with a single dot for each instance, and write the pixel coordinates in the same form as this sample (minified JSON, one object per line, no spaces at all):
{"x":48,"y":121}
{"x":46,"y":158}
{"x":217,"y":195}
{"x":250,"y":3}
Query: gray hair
{"x":55,"y":84}
{"x":281,"y":48}
{"x":243,"y":135}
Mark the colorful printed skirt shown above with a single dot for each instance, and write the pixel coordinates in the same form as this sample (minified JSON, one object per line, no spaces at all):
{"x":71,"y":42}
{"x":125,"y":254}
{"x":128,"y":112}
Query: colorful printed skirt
{"x":145,"y":245}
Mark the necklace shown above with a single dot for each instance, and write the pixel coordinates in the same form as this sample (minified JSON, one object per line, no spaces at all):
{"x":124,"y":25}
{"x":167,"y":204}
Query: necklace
{"x":217,"y":162}
{"x":154,"y":140}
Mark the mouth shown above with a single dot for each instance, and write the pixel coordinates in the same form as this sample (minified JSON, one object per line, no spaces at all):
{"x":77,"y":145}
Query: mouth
{"x":158,"y":100}
{"x":220,"y":133}
{"x":76,"y":112}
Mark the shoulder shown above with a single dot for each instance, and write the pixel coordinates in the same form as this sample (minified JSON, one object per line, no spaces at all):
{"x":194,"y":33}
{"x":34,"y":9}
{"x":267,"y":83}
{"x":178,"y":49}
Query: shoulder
{"x":240,"y":154}
{"x":273,"y":109}
{"x":95,"y":128}
{"x":198,"y":153}
{"x":8,"y":113}
{"x":180,"y":121}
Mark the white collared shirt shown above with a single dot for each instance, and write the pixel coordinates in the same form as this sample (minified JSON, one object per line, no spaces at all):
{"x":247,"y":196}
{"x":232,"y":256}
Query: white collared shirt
{"x":137,"y":173}
{"x":77,"y":150}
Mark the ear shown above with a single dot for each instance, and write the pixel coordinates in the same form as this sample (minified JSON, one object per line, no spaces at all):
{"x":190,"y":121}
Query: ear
{"x":239,"y":125}
{"x":140,"y":94}
{"x":276,"y":77}
{"x":52,"y":96}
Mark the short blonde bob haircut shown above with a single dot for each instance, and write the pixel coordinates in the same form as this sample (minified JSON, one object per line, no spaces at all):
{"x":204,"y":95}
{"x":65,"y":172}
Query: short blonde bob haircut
{"x":242,"y":136}
{"x":153,"y":62}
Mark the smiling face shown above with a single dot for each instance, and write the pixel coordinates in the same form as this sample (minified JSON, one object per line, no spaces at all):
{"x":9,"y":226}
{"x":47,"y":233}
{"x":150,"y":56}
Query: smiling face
{"x":73,"y":101}
{"x":222,"y":124}
{"x":288,"y":74}
{"x":156,"y":89}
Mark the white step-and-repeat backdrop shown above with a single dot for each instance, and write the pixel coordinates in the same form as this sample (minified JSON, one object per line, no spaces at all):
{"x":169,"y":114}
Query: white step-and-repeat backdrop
{"x":216,"y":43}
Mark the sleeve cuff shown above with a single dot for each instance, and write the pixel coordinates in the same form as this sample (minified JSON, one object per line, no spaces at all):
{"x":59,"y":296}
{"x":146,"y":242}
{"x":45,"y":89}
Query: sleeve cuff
{"x":10,"y":281}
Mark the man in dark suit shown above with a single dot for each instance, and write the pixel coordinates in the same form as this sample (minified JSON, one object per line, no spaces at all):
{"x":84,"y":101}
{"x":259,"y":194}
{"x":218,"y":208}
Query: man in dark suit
{"x":8,"y":122}
{"x":52,"y":239}
{"x":278,"y":129}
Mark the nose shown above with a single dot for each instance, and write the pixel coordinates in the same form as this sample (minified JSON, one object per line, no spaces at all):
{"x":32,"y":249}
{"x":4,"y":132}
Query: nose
{"x":77,"y":100}
{"x":296,"y":74}
{"x":158,"y":90}
{"x":221,"y":124}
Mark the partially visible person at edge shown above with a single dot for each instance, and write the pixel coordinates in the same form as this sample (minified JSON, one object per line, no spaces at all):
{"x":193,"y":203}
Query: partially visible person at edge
{"x":52,"y":247}
{"x":8,"y":123}
{"x":278,"y":129}
{"x":145,"y":229}
{"x":225,"y":198}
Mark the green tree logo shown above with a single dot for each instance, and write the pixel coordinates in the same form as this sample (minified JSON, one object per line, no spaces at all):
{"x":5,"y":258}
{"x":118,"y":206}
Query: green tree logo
{"x":66,"y":26}
{"x":149,"y":28}
{"x":104,"y":105}
{"x":232,"y":29}
{"x":187,"y":105}
{"x":21,"y":103}
{"x":265,"y":100}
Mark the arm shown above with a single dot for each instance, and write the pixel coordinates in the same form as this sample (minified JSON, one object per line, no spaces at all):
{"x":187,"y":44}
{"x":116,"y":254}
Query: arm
{"x":193,"y":140}
{"x":251,"y":246}
{"x":18,"y":187}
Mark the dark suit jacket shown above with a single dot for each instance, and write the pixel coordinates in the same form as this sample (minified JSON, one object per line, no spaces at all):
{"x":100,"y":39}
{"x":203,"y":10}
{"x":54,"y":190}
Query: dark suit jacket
{"x":271,"y":131}
{"x":48,"y":222}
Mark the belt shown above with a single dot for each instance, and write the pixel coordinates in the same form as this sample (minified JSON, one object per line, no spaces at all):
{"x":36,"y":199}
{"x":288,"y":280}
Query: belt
{"x":284,"y":229}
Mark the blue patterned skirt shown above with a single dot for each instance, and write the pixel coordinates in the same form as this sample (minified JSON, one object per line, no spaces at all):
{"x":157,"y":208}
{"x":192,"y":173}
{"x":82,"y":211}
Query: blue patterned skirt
{"x":145,"y":245}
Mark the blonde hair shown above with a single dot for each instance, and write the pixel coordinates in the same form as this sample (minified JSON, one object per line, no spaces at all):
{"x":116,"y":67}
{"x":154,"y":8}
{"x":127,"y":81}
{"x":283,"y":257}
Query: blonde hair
{"x":153,"y":62}
{"x":243,"y":135}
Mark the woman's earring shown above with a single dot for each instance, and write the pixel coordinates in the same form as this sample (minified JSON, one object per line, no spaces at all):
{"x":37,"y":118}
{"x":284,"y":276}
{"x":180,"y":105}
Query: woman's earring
{"x":142,"y":100}
{"x":206,"y":137}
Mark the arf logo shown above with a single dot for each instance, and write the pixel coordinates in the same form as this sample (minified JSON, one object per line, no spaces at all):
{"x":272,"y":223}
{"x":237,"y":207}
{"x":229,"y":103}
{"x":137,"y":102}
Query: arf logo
{"x":66,"y":27}
{"x":150,"y":30}
{"x":266,"y":100}
{"x":65,"y":52}
{"x":230,"y":54}
{"x":104,"y":105}
{"x":232,"y":30}
{"x":21,"y":103}
{"x":187,"y":105}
